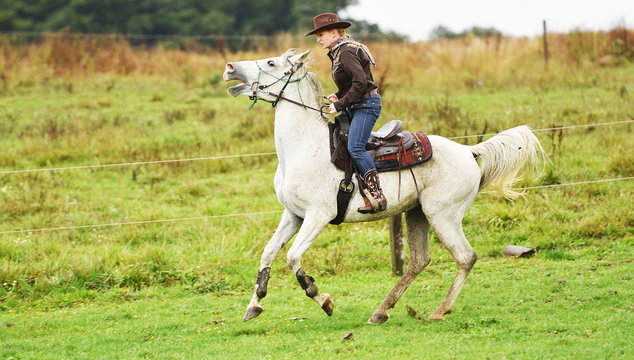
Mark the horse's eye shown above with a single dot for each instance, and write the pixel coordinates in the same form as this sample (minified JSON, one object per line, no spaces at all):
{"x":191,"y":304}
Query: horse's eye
{"x":270,"y":63}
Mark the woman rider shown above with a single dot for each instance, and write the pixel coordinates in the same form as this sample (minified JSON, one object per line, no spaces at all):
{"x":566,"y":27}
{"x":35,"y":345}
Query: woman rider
{"x":357,"y":95}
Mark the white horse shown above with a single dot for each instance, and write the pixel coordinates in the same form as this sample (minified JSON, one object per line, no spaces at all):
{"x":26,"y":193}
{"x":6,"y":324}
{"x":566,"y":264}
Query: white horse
{"x":306,"y":183}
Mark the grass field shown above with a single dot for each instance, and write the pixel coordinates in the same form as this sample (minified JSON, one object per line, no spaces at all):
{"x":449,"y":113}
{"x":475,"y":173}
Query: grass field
{"x":179,"y":289}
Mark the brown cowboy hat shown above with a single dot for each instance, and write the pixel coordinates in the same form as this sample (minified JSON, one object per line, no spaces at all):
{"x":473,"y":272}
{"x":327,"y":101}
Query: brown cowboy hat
{"x":327,"y":21}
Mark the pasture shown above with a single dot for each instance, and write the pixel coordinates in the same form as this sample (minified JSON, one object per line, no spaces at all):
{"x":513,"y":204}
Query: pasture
{"x":179,"y":289}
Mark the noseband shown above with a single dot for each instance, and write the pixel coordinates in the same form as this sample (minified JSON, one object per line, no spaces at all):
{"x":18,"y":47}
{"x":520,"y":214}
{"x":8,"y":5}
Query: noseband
{"x":256,"y":87}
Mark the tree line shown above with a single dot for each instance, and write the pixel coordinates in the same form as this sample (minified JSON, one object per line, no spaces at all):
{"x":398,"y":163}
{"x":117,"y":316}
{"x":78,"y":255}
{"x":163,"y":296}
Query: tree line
{"x":168,"y":17}
{"x":188,"y":17}
{"x":442,"y":32}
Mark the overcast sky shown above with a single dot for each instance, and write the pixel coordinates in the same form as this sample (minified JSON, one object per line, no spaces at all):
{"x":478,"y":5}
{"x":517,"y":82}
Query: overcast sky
{"x":417,"y":18}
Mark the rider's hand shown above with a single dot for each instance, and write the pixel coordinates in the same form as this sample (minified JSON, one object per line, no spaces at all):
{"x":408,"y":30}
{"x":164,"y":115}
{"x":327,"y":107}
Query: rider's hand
{"x":332,"y":98}
{"x":332,"y":109}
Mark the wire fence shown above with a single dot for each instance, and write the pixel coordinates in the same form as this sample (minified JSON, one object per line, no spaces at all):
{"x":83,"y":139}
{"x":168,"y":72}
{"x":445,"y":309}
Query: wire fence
{"x":578,"y":183}
{"x":549,"y":129}
{"x":37,"y":34}
{"x":219,"y":157}
{"x":145,"y":222}
{"x":203,"y":39}
{"x":220,"y":42}
{"x":141,"y":222}
{"x":136,"y":163}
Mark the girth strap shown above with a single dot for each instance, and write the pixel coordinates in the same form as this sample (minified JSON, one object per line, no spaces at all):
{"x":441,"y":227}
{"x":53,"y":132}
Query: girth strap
{"x":346,"y":186}
{"x":344,"y":195}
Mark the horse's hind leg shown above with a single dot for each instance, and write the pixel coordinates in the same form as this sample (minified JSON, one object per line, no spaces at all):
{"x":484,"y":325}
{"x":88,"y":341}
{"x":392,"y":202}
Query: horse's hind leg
{"x":311,"y":228}
{"x":418,"y":242}
{"x":448,"y":227}
{"x":285,"y":230}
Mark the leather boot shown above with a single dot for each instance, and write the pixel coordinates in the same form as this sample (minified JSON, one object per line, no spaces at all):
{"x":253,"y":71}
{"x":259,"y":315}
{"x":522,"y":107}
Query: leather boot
{"x":374,"y":198}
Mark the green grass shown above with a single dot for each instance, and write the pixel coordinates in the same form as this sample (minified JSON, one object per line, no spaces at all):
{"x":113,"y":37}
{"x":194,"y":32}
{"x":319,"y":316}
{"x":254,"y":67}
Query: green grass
{"x":179,"y":290}
{"x":526,"y":308}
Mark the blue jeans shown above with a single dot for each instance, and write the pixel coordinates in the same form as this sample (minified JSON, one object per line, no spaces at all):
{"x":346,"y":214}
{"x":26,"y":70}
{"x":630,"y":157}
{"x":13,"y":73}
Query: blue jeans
{"x":363,"y":115}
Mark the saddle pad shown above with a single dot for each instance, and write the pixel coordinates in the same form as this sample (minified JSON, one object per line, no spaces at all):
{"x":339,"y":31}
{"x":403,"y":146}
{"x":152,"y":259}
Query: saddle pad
{"x":420,"y":152}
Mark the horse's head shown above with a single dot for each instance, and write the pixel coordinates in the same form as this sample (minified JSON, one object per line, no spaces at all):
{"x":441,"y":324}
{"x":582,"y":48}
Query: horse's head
{"x":262,"y":77}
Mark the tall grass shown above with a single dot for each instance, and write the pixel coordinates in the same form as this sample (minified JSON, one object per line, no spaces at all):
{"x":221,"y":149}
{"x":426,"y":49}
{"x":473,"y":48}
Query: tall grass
{"x":467,"y":62}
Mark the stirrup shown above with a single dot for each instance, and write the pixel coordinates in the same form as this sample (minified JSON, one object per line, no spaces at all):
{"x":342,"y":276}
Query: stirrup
{"x":371,"y":204}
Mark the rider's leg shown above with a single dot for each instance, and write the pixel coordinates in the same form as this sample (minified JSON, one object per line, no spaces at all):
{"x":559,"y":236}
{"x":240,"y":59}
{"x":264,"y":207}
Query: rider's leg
{"x":364,"y":117}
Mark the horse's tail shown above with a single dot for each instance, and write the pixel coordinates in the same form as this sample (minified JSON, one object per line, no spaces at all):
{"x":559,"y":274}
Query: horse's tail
{"x":504,"y":155}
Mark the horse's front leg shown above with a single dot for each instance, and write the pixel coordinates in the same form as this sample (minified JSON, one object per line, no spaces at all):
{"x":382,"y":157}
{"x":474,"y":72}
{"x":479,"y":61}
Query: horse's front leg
{"x":311,"y":228}
{"x":285,"y":230}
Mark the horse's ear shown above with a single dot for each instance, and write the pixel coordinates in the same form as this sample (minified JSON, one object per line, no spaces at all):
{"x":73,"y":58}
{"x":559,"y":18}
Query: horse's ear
{"x":300,"y":57}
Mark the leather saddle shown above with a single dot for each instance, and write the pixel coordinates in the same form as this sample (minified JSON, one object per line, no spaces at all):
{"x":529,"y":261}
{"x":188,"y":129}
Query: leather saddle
{"x":390,"y":147}
{"x":389,"y":139}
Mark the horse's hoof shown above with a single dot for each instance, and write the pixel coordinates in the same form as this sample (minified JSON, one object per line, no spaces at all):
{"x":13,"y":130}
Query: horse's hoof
{"x":328,"y":305}
{"x":252,"y":312}
{"x":378,"y":318}
{"x":436,"y":317}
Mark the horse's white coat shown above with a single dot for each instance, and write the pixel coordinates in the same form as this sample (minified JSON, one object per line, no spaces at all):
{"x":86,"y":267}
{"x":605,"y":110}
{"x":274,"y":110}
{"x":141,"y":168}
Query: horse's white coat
{"x":306,"y":182}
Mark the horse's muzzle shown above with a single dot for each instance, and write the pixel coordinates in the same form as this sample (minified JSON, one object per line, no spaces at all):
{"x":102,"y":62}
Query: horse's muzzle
{"x":229,"y":70}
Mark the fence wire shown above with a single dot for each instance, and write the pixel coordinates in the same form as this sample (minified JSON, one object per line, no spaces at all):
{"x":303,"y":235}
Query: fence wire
{"x":135,"y":163}
{"x":548,"y":129}
{"x":35,"y":34}
{"x":233,"y":42}
{"x":268,"y":153}
{"x":143,"y":222}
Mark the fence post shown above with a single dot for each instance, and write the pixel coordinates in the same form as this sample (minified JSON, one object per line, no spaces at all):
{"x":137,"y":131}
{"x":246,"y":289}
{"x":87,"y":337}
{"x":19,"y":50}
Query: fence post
{"x":396,"y":244}
{"x":545,"y":46}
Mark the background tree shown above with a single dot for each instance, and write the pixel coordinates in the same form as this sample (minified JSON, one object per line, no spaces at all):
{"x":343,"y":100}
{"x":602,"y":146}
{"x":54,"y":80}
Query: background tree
{"x":166,"y":17}
{"x":442,"y":32}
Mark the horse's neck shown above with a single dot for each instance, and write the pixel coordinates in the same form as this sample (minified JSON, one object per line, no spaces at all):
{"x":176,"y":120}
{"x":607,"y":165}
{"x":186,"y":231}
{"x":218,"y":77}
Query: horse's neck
{"x":299,"y":131}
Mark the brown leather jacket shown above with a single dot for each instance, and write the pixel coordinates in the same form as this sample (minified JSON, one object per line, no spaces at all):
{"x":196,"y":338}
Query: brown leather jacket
{"x":351,"y":73}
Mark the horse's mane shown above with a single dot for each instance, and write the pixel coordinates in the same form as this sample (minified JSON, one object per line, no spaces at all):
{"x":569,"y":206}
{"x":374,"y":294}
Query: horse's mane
{"x":315,"y":85}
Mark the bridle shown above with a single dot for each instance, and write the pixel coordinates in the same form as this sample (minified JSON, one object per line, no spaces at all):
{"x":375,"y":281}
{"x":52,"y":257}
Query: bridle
{"x":256,"y":87}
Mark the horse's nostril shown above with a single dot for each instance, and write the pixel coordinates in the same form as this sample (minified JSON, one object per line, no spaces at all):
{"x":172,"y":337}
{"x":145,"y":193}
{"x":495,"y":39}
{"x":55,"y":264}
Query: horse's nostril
{"x":230,"y":68}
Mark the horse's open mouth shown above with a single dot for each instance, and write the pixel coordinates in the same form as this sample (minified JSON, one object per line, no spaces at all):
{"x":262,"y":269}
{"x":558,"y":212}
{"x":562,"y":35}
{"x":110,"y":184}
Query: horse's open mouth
{"x":240,"y":89}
